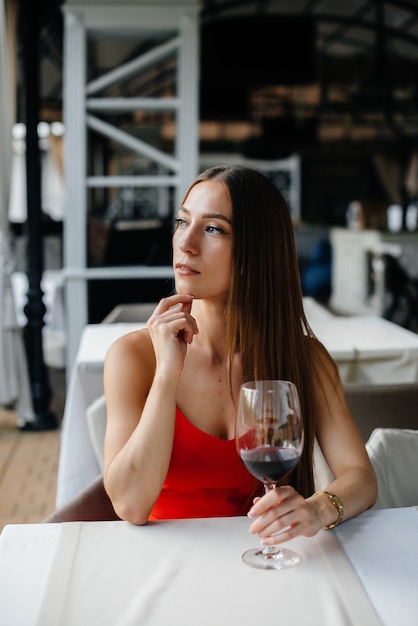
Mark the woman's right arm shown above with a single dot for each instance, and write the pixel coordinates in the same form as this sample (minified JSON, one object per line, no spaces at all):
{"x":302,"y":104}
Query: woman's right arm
{"x":141,"y":375}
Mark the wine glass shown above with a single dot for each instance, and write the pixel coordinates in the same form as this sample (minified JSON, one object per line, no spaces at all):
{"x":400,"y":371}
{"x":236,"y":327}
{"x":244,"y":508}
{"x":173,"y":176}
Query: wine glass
{"x":269,"y":439}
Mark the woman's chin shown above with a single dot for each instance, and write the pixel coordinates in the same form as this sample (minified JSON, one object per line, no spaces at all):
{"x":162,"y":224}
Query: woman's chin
{"x":183,"y":289}
{"x":186,"y":292}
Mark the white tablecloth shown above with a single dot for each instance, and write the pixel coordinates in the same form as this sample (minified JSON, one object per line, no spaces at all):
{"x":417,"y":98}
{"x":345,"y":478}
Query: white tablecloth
{"x":365,"y":348}
{"x":189,"y":572}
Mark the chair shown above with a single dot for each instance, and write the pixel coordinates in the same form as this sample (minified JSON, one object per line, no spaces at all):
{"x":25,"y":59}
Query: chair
{"x":383,"y":406}
{"x":394,"y":456}
{"x":92,"y":504}
{"x":403,"y":289}
{"x":96,"y":422}
{"x":127,"y":313}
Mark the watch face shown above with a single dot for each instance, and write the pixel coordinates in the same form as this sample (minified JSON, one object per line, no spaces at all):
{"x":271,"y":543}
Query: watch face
{"x":338,"y":505}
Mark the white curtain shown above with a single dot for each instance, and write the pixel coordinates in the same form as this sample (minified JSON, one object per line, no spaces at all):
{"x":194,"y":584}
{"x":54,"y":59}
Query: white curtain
{"x":14,"y":378}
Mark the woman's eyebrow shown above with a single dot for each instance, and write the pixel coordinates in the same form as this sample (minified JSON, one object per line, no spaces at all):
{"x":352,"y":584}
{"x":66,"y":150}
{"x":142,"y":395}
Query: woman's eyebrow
{"x":218,"y":216}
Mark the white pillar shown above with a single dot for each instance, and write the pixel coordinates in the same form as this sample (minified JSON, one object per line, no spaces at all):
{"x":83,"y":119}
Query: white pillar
{"x":75,"y":149}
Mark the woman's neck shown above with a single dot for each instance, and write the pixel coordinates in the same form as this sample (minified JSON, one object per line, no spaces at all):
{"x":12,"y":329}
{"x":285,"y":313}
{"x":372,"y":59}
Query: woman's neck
{"x":211,"y":325}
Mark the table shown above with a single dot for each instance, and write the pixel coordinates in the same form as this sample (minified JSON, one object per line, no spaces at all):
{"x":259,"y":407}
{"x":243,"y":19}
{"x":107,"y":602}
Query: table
{"x":365,"y":348}
{"x":188,"y":572}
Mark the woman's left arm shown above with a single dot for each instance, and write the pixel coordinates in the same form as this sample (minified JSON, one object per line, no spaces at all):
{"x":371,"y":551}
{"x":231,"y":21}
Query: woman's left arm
{"x":285,"y":511}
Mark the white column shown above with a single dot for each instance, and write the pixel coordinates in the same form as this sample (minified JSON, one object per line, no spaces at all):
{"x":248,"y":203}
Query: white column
{"x":75,"y":150}
{"x":187,"y":132}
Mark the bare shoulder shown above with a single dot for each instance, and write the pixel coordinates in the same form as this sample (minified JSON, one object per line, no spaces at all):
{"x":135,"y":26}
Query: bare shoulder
{"x":132,"y":352}
{"x":135,"y":340}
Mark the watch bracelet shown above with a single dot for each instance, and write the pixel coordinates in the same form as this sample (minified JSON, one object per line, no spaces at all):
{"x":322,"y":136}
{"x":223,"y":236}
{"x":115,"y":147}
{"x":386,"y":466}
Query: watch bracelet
{"x":338,"y":505}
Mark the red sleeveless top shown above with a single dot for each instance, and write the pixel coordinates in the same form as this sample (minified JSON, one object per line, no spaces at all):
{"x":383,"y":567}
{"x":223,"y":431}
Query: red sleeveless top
{"x":206,"y":477}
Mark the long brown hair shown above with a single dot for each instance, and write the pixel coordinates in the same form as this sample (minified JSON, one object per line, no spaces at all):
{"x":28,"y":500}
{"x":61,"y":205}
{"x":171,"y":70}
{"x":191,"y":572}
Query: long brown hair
{"x":265,"y":319}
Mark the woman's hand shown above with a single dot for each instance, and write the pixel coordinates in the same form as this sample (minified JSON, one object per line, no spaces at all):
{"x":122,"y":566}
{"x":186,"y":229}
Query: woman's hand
{"x":282,"y":514}
{"x":172,"y":328}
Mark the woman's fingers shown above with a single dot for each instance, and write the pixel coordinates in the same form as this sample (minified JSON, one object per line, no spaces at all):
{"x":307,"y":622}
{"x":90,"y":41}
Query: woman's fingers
{"x":172,"y":327}
{"x":280,"y":515}
{"x":174,"y":313}
{"x":300,"y":521}
{"x":271,"y":498}
{"x":186,"y":307}
{"x":181,"y":326}
{"x":165,"y":304}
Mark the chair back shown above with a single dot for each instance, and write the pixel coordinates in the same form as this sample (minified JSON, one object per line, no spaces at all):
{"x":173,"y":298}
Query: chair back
{"x":126,"y":313}
{"x":383,"y":406}
{"x":394,"y":456}
{"x":96,"y":422}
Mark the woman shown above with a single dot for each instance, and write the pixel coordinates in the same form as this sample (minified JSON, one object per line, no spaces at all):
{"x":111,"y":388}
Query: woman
{"x":171,"y":389}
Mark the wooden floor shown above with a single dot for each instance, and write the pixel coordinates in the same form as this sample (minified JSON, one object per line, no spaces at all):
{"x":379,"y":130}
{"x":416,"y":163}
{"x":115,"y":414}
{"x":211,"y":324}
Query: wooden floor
{"x":29,"y":464}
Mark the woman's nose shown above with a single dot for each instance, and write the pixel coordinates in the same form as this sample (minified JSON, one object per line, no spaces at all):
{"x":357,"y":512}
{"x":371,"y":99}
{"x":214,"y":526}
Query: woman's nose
{"x":189,"y":241}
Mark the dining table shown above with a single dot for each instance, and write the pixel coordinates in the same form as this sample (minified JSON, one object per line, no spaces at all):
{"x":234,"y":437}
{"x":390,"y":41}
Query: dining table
{"x":190,"y":572}
{"x":365,"y":349}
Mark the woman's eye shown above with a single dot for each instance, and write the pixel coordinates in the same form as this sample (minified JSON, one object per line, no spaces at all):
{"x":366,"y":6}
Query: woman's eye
{"x":216,"y":229}
{"x":179,"y":223}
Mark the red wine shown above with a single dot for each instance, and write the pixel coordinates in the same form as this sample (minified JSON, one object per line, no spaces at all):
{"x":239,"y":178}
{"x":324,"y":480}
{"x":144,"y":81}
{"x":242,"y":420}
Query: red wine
{"x":269,"y":464}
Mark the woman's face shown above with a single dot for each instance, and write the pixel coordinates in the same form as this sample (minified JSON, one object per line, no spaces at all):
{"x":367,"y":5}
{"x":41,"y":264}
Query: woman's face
{"x":202,"y":242}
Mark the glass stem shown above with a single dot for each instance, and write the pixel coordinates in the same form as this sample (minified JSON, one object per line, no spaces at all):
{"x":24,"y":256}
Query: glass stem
{"x":270,"y":550}
{"x":269,"y":486}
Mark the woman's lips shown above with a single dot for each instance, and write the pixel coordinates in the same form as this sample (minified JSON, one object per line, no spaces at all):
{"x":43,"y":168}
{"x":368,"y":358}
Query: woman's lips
{"x":185,"y":270}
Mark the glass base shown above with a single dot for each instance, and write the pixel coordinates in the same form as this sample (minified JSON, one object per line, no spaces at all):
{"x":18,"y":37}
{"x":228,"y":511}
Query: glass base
{"x":281,"y":558}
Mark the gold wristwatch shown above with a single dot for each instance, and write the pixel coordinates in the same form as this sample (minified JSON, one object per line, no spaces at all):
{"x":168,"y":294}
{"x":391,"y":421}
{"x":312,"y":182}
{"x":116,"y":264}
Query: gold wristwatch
{"x":336,"y":502}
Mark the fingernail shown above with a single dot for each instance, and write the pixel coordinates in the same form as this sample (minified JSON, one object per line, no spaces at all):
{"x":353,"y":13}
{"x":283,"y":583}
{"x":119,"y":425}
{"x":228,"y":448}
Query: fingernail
{"x":251,"y":513}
